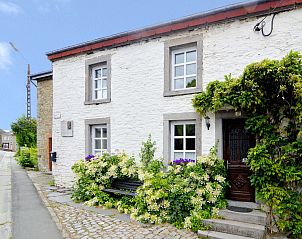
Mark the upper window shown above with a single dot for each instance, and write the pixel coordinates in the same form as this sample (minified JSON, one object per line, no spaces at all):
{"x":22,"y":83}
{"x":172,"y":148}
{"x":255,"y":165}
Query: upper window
{"x":183,"y":145}
{"x":184,"y":68}
{"x":98,"y":80}
{"x":183,"y":65}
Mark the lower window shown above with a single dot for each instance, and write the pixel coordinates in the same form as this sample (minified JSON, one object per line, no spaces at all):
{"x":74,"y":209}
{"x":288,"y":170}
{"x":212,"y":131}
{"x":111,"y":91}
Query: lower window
{"x":183,"y":140}
{"x":99,"y":137}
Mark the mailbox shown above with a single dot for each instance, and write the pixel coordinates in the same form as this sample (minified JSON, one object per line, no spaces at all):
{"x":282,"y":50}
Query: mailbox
{"x":53,"y":156}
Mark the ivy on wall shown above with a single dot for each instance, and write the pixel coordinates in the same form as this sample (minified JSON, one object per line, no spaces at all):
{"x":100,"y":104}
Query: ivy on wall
{"x":270,"y":94}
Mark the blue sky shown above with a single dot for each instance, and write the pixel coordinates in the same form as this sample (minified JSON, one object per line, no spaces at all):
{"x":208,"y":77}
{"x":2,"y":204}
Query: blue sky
{"x":38,"y":26}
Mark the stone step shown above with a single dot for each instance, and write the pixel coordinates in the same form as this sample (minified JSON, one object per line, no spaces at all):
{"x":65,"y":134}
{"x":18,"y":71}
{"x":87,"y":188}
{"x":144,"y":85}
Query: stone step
{"x":236,"y":228}
{"x":220,"y":235}
{"x":254,"y":217}
{"x":250,"y":205}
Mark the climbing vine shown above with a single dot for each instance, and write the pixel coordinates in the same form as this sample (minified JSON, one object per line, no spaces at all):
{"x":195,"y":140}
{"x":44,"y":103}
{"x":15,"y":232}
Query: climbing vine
{"x":270,"y":95}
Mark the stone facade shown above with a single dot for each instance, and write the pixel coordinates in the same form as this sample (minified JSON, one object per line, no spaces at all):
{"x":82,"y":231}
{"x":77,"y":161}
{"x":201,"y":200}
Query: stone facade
{"x":44,"y":119}
{"x":138,"y":104}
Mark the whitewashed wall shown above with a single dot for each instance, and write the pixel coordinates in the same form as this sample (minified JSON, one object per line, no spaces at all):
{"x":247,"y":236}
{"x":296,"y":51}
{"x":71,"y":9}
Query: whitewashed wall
{"x":137,"y":81}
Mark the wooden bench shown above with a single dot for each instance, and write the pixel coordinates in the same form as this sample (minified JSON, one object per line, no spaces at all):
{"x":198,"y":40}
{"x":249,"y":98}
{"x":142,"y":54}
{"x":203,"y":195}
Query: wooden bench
{"x":123,"y":187}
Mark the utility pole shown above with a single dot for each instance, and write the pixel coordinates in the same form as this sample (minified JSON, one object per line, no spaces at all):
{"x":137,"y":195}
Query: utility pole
{"x":28,"y":96}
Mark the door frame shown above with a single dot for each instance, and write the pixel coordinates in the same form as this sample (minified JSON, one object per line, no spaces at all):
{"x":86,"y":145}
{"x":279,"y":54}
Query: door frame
{"x":240,"y":168}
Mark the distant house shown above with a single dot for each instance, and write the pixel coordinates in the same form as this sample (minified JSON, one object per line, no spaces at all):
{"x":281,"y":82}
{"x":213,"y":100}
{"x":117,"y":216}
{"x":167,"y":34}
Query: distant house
{"x":44,"y":118}
{"x":111,"y":93}
{"x":7,"y":141}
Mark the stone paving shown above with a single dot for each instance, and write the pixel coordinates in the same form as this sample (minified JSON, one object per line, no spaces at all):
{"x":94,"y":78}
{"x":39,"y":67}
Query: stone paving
{"x":81,"y":222}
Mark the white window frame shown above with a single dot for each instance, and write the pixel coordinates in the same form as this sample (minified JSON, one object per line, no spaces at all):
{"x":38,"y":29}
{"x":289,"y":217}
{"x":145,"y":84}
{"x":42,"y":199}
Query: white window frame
{"x":184,"y":64}
{"x":184,"y":137}
{"x":94,"y":79}
{"x":94,"y":138}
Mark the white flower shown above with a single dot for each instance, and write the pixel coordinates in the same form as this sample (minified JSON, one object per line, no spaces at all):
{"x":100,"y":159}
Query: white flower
{"x":219,"y":178}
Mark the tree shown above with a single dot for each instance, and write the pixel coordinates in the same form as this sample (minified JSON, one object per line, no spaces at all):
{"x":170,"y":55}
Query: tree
{"x":270,"y":94}
{"x":25,"y":131}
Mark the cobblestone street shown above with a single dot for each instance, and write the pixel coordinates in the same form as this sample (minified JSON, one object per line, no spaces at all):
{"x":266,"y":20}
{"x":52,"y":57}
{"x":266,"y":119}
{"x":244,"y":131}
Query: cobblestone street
{"x":80,"y":222}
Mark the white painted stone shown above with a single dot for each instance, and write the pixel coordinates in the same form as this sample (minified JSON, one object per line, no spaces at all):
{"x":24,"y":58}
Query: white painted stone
{"x":137,"y":103}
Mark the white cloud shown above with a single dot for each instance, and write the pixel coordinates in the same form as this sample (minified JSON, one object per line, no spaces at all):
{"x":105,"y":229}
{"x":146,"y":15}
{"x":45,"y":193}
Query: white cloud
{"x":5,"y":55}
{"x":47,"y":6}
{"x":9,"y":8}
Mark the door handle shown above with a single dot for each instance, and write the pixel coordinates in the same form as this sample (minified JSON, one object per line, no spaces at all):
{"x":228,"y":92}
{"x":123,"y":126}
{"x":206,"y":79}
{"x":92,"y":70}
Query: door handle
{"x":227,"y":164}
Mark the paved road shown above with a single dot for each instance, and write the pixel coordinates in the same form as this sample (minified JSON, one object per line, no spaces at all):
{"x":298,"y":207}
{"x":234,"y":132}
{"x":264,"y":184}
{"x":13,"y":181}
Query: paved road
{"x":31,"y":220}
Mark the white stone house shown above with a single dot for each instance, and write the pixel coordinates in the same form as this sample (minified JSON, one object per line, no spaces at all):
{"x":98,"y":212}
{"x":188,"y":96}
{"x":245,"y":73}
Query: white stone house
{"x":111,"y":93}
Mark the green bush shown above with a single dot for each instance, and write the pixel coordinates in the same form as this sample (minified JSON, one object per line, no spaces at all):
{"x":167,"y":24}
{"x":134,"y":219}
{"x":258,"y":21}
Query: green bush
{"x":28,"y":157}
{"x":181,"y":195}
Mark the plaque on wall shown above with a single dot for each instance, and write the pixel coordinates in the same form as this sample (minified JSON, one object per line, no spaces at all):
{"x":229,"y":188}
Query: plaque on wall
{"x":67,"y":128}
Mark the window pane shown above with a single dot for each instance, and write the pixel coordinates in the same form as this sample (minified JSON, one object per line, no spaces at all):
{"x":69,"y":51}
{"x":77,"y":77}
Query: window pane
{"x":178,"y":155}
{"x":179,"y":71}
{"x":179,"y":130}
{"x":104,"y":143}
{"x":98,"y":73}
{"x":98,"y":144}
{"x":104,"y":132}
{"x":97,"y":132}
{"x":179,"y":58}
{"x":105,"y":83}
{"x":190,"y":82}
{"x":104,"y":94}
{"x":97,"y":152}
{"x":190,"y":144}
{"x":191,"y":56}
{"x":190,"y":130}
{"x":104,"y":72}
{"x":190,"y":156}
{"x":97,"y":94}
{"x":191,"y":69}
{"x":97,"y":84}
{"x":179,"y":83}
{"x":178,"y":144}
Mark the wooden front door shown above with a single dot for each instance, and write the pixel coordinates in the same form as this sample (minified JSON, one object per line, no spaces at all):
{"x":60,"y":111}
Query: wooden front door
{"x":236,"y":143}
{"x":49,"y":151}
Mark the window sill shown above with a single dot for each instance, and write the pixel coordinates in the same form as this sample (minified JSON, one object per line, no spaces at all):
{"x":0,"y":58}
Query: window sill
{"x":97,"y":102}
{"x":181,"y":92}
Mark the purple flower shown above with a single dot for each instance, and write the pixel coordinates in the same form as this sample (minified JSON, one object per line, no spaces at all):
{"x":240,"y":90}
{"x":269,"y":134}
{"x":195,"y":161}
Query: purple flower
{"x":182,"y":161}
{"x":89,"y":157}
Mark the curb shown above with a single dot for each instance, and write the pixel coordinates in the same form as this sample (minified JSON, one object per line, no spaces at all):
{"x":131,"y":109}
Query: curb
{"x":47,"y":203}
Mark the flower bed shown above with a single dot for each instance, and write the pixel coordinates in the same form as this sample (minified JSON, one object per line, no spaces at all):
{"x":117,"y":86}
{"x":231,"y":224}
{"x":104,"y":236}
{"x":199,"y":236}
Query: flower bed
{"x":181,"y":194}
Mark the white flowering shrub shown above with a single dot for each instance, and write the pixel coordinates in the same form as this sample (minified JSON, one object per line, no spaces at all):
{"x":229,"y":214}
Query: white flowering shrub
{"x":182,"y":195}
{"x":94,"y":173}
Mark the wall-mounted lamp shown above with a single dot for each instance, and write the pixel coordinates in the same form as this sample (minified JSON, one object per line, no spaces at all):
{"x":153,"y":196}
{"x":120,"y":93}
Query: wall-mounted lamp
{"x":207,"y":119}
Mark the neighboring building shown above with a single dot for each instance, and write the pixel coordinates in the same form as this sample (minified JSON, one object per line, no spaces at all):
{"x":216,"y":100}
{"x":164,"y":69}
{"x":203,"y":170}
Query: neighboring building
{"x":111,"y":93}
{"x":44,"y":118}
{"x":7,"y":141}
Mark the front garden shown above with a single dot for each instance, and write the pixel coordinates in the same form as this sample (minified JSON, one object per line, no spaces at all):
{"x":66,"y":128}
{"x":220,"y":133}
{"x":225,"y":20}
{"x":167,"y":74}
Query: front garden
{"x":181,"y":194}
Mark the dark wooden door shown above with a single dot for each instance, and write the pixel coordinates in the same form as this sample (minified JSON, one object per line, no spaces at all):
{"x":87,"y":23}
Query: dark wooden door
{"x":49,"y":151}
{"x":236,"y":143}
